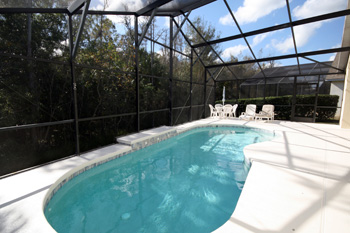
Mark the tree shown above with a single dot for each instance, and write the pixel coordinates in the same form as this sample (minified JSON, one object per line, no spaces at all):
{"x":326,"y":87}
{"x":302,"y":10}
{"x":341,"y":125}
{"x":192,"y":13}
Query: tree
{"x":33,"y":90}
{"x":205,"y":32}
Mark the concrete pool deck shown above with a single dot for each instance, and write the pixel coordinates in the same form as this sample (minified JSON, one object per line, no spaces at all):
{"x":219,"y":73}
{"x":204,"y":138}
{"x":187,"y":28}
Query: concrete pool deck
{"x":298,"y":182}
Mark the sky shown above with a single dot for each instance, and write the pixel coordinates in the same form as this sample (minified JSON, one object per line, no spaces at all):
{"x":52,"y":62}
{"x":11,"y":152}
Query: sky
{"x":256,"y":14}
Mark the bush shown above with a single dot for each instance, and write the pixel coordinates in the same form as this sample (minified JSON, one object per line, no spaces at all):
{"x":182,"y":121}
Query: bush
{"x":283,"y":105}
{"x":325,"y":114}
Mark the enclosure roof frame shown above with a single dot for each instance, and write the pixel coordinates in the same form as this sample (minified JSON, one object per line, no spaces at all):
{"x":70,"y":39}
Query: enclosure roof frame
{"x":153,"y":9}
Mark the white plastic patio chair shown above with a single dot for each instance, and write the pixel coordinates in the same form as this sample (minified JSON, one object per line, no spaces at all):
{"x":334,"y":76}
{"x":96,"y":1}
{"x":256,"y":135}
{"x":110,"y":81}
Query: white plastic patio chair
{"x":268,"y":112}
{"x":220,"y":109}
{"x":227,"y":112}
{"x":213,"y":111}
{"x":249,"y":113}
{"x":234,"y":108}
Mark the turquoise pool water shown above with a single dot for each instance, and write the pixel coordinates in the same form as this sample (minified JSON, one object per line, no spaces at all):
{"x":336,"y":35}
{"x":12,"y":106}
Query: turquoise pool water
{"x":189,"y":183}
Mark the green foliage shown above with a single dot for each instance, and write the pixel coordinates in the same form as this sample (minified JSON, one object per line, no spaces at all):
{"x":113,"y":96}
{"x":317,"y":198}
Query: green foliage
{"x":20,"y":101}
{"x":283,"y":105}
{"x":39,"y":89}
{"x":208,"y":32}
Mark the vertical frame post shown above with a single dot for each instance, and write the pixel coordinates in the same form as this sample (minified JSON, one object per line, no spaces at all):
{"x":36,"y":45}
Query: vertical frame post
{"x":74,"y":85}
{"x":294,"y":99}
{"x":237,"y":91}
{"x":29,"y":39}
{"x":214,"y":91}
{"x":29,"y":48}
{"x":205,"y":92}
{"x":191,"y":89}
{"x":170,"y":102}
{"x":316,"y":99}
{"x":137,"y":74}
{"x":264,"y":89}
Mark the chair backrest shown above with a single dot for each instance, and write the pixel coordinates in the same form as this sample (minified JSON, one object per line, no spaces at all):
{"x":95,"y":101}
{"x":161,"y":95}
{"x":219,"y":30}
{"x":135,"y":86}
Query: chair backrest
{"x":211,"y":107}
{"x":250,"y":110}
{"x":234,"y":108}
{"x":218,"y":105}
{"x":228,"y":109}
{"x":219,"y":108}
{"x":228,"y":105}
{"x":268,"y":109}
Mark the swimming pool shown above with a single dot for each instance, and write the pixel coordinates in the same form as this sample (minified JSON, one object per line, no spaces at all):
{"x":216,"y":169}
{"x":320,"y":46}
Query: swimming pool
{"x":188,"y":183}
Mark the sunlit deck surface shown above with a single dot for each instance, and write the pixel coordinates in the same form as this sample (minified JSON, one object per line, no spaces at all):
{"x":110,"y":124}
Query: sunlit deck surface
{"x":299,"y":182}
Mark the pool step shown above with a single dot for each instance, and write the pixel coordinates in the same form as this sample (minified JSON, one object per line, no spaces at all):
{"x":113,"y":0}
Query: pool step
{"x":148,"y":137}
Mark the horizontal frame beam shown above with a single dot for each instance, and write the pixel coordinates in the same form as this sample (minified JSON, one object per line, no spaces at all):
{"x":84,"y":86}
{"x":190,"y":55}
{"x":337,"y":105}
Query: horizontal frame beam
{"x":284,"y":76}
{"x":33,"y":10}
{"x":167,"y":78}
{"x":30,"y":126}
{"x":103,"y":68}
{"x":62,"y":63}
{"x":105,"y":117}
{"x":183,"y":107}
{"x":65,"y":11}
{"x":196,"y":106}
{"x":278,"y":27}
{"x":33,"y":58}
{"x":153,"y":111}
{"x":312,"y":53}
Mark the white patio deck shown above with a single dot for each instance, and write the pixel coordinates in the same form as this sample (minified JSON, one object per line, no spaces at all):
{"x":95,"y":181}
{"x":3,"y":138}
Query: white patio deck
{"x":299,"y":182}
